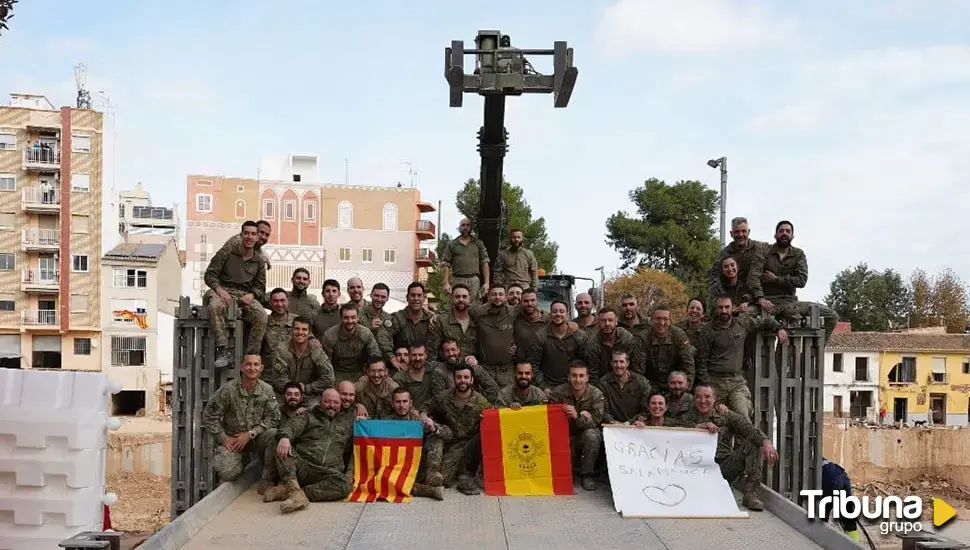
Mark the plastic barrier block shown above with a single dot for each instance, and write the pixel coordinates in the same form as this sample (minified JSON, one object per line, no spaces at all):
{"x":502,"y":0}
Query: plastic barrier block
{"x":41,"y":506}
{"x":33,"y":467}
{"x":35,"y":427}
{"x":55,"y":390}
{"x":43,"y":537}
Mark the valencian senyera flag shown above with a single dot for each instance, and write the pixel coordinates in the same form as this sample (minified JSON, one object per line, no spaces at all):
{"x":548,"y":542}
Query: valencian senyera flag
{"x":526,"y":452}
{"x":387,"y":454}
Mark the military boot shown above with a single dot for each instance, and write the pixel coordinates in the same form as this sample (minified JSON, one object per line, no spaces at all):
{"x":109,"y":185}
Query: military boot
{"x":275,"y":493}
{"x":427,"y":491}
{"x":434,"y":477}
{"x":295,"y":498}
{"x":467,"y":486}
{"x":752,"y":499}
{"x":223,"y":357}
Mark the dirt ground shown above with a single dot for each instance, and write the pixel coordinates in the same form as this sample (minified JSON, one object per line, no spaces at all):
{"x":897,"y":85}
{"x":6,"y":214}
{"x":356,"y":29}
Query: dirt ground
{"x":143,"y":502}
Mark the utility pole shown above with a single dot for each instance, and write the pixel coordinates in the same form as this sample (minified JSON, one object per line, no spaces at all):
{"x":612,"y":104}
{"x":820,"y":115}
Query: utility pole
{"x":722,"y":164}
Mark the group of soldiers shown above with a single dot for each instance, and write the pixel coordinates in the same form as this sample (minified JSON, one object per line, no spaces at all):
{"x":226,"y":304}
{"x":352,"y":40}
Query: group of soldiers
{"x":310,"y":370}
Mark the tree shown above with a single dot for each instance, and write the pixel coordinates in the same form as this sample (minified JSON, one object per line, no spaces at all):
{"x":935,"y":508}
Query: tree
{"x":651,"y":287}
{"x":921,"y":290}
{"x":518,"y":215}
{"x":672,"y":230}
{"x":870,"y":300}
{"x":6,"y":13}
{"x":949,"y":301}
{"x":436,"y":277}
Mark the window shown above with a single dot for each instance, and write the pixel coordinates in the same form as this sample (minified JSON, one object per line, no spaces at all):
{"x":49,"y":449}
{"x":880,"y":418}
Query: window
{"x":8,"y":220}
{"x":367,"y":255}
{"x":966,"y":365}
{"x":390,"y":217}
{"x":7,"y":302}
{"x":344,"y":254}
{"x":80,"y":224}
{"x":7,"y":262}
{"x":8,"y":182}
{"x":80,"y":182}
{"x":309,"y":211}
{"x":126,"y":311}
{"x":203,"y":183}
{"x":297,"y":178}
{"x":80,"y":143}
{"x":79,"y":303}
{"x":203,"y":249}
{"x":390,"y":256}
{"x":8,"y":141}
{"x":289,"y":210}
{"x":240,"y":210}
{"x":240,"y":189}
{"x":939,"y":370}
{"x":345,"y":215}
{"x":79,"y":263}
{"x":904,"y":372}
{"x":269,"y":209}
{"x":837,"y":362}
{"x":861,"y":369}
{"x":130,"y":278}
{"x":128,"y":351}
{"x":82,"y":346}
{"x":203,"y":203}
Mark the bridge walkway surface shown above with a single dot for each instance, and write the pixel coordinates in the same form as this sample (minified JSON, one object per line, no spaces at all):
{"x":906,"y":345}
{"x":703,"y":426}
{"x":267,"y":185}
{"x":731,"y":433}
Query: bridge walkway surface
{"x":586,"y":520}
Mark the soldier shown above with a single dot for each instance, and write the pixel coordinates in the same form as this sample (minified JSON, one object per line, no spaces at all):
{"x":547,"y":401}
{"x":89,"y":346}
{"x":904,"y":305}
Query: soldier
{"x":242,"y":417}
{"x":742,"y":249}
{"x":457,"y":323}
{"x":777,"y":273}
{"x":350,"y":409}
{"x":408,"y":326}
{"x":263,"y":232}
{"x":443,"y":373}
{"x":464,"y":259}
{"x":631,"y":319}
{"x":598,"y":351}
{"x":585,"y":317}
{"x":457,"y":415}
{"x":720,"y":353}
{"x":584,"y":407}
{"x":301,"y":362}
{"x":695,"y":317}
{"x":237,"y":275}
{"x":416,"y":379}
{"x":429,"y":479}
{"x":402,"y":356}
{"x":750,"y":445}
{"x":626,"y":393}
{"x":658,"y":412}
{"x":495,"y":336}
{"x":373,"y":316}
{"x":311,"y":457}
{"x":350,"y":345}
{"x":328,"y":314}
{"x":527,"y":323}
{"x":523,"y":393}
{"x":279,"y":330}
{"x":355,"y":290}
{"x":554,"y":347}
{"x":734,"y":287}
{"x":678,"y":398}
{"x":517,"y":264}
{"x":299,"y":301}
{"x":513,"y":294}
{"x":290,"y":406}
{"x":666,"y":348}
{"x":374,"y":393}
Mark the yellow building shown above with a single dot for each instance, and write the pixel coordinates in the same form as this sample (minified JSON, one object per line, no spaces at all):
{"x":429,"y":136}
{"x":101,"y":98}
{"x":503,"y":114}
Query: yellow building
{"x":923,"y":376}
{"x":50,"y":235}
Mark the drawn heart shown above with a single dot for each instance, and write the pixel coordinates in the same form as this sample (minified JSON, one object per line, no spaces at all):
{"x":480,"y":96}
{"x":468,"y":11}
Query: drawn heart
{"x":670,"y":496}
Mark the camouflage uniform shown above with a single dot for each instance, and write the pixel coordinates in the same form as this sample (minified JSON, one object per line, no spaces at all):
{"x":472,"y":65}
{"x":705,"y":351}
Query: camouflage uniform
{"x":744,"y":258}
{"x":739,"y":293}
{"x":350,"y":353}
{"x":432,"y":447}
{"x":320,"y":449}
{"x":524,"y":332}
{"x":637,"y":327}
{"x":792,"y":273}
{"x":377,"y":401}
{"x":404,"y":332}
{"x":517,"y":266}
{"x":550,"y":355}
{"x":591,"y":329}
{"x":743,"y":457}
{"x":279,"y":331}
{"x":366,"y":317}
{"x":626,"y":403}
{"x":447,"y":326}
{"x":302,"y":303}
{"x":533,"y":396}
{"x":269,"y":454}
{"x":458,"y":427}
{"x":584,"y":433}
{"x":599,"y":356}
{"x":235,"y":243}
{"x":466,"y":262}
{"x":420,"y":390}
{"x":677,"y":411}
{"x":720,"y":359}
{"x":233,"y":410}
{"x":312,"y":369}
{"x":324,"y":318}
{"x":495,"y":335}
{"x":689,"y":330}
{"x":237,"y":276}
{"x":674,"y":352}
{"x":443,"y":379}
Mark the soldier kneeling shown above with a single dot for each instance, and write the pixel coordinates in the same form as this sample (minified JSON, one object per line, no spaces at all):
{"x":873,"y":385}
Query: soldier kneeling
{"x":429,"y":478}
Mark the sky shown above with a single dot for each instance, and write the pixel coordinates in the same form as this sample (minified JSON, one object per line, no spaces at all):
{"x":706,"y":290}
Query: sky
{"x":848,"y":118}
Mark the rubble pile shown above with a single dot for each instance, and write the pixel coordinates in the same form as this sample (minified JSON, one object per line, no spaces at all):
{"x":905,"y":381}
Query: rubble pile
{"x":925,"y":486}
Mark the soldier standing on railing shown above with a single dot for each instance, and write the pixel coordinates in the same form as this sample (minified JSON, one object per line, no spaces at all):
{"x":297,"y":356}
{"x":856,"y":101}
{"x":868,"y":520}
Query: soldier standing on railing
{"x":465,"y":259}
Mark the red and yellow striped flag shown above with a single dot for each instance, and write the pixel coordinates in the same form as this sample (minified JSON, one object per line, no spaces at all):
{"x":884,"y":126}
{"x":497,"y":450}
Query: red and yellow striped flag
{"x":526,"y":452}
{"x":387,"y":454}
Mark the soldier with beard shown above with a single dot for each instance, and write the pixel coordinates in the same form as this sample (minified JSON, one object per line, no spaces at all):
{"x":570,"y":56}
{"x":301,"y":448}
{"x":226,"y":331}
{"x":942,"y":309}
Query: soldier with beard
{"x":416,"y":379}
{"x":291,"y":406}
{"x":374,"y":393}
{"x":694,"y":319}
{"x":279,"y":330}
{"x":299,"y":301}
{"x":523,"y":393}
{"x":585,"y":317}
{"x":328,"y":314}
{"x":513,"y":294}
{"x":742,"y":249}
{"x":350,"y":345}
{"x":464,"y":259}
{"x":666,"y":348}
{"x":554,"y":347}
{"x":355,"y":290}
{"x":429,"y":479}
{"x":495,"y":336}
{"x":599,"y":349}
{"x":584,"y":406}
{"x":263,"y":232}
{"x":517,"y":264}
{"x":527,"y":323}
{"x":627,"y":394}
{"x":632,"y":321}
{"x":443,"y":373}
{"x":776,"y":275}
{"x":300,"y":362}
{"x":373,"y":316}
{"x":350,"y":409}
{"x":457,"y":323}
{"x":409,"y":326}
{"x":678,"y":396}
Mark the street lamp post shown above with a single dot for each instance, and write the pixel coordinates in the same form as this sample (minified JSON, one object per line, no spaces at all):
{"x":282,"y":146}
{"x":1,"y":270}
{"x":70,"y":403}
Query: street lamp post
{"x":602,"y":292}
{"x":722,"y":164}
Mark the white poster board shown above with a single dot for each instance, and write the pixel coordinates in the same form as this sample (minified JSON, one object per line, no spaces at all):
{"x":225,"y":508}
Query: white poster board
{"x":667,"y":473}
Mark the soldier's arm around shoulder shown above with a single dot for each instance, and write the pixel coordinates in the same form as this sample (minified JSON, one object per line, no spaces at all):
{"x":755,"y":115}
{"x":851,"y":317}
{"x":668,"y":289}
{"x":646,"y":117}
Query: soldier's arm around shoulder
{"x":271,"y":412}
{"x":324,"y":372}
{"x":756,"y":271}
{"x":258,"y":285}
{"x":371,"y":346}
{"x":214,"y":270}
{"x":215,"y":412}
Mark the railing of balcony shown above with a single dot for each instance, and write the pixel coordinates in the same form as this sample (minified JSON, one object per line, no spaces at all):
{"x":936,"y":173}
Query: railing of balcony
{"x":41,"y":195}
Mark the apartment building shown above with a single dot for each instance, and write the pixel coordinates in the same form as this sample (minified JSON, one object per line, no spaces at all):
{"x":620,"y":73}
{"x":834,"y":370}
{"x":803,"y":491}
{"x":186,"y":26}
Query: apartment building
{"x":50,"y":234}
{"x":140,"y":221}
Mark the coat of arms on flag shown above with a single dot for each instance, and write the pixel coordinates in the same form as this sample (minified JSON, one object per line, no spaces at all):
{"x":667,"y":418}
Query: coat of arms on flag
{"x":387,"y":454}
{"x":527,"y":452}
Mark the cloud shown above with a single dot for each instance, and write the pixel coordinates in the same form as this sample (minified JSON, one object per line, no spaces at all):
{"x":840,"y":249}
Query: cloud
{"x":693,"y":26}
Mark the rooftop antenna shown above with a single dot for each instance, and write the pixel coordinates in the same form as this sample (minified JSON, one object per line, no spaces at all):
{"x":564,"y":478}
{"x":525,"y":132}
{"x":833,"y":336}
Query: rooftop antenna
{"x":80,"y":79}
{"x":412,"y":174}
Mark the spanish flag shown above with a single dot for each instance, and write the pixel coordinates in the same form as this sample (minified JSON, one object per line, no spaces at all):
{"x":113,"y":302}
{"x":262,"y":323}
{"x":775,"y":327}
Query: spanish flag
{"x":527,"y":452}
{"x":387,"y":454}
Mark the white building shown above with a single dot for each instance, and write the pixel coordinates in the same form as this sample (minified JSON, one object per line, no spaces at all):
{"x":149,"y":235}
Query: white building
{"x":851,"y":388}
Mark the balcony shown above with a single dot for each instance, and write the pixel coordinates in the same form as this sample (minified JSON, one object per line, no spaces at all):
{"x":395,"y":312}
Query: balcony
{"x":425,"y":230}
{"x":39,"y":318}
{"x":425,"y":257}
{"x":425,"y":207}
{"x":41,"y":240}
{"x":41,"y":200}
{"x":45,"y":160}
{"x":40,"y":281}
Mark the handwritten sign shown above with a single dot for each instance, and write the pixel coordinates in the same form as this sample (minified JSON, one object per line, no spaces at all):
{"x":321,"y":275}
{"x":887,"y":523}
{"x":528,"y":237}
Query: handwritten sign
{"x":667,"y":473}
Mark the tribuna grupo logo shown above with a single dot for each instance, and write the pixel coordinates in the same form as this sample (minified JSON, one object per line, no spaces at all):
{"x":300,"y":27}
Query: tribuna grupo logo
{"x":897,"y":514}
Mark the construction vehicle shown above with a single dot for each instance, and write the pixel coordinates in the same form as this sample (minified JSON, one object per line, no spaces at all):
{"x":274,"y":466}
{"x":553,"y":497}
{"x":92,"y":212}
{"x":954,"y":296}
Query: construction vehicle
{"x":560,"y":287}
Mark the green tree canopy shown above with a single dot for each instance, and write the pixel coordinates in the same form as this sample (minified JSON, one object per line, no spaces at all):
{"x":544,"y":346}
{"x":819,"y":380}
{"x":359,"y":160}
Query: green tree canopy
{"x":672,"y":230}
{"x":869,"y":299}
{"x":518,"y":215}
{"x":6,"y":13}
